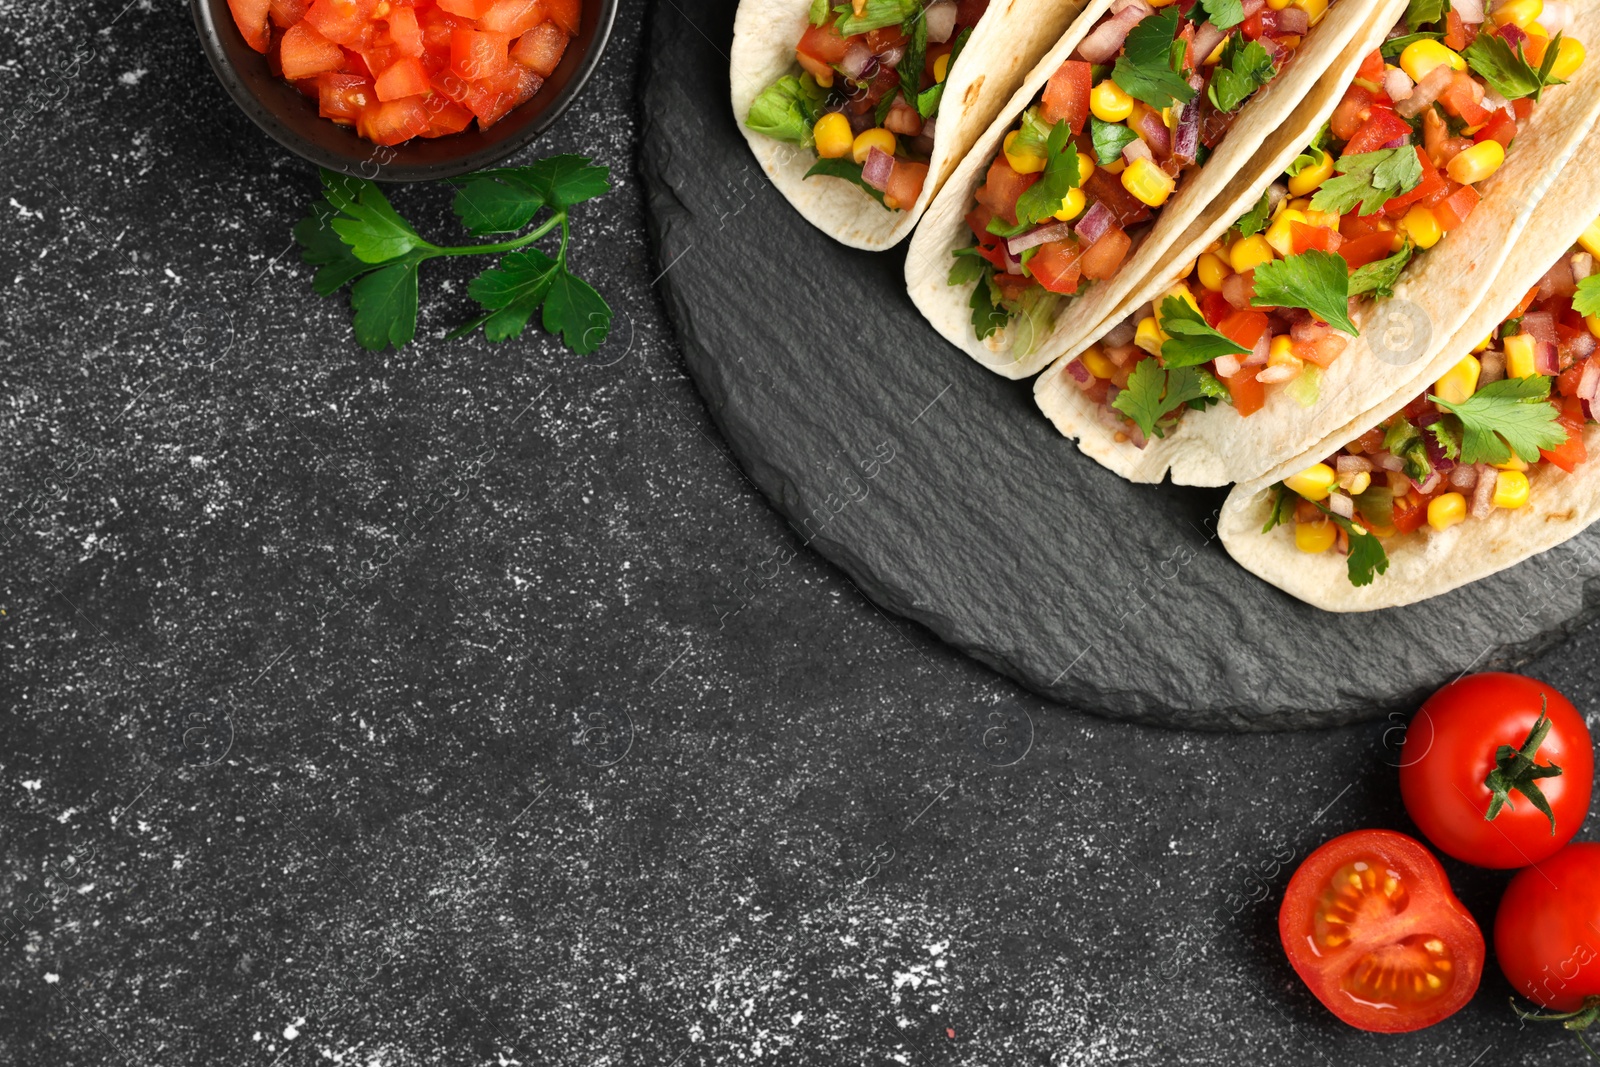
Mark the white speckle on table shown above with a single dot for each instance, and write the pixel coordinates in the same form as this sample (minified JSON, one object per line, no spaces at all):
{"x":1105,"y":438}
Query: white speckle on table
{"x":132,"y":77}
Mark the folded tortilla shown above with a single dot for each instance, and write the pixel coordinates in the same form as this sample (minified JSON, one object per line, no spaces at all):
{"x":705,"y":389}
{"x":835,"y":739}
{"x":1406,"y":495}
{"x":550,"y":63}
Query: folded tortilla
{"x":1006,"y":42}
{"x":1426,"y":564}
{"x":1402,"y":343}
{"x":944,"y":227}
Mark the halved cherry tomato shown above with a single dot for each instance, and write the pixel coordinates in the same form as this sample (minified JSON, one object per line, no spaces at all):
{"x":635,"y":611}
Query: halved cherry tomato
{"x":1066,"y":97}
{"x":1370,"y":924}
{"x":1055,"y":266}
{"x":1451,"y":749}
{"x":1544,"y":930}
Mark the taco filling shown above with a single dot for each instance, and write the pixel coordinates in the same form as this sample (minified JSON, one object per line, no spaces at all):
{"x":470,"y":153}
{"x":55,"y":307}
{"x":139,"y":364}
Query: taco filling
{"x":1428,"y":117}
{"x":865,"y":96}
{"x":1144,"y":98}
{"x":1497,"y":426}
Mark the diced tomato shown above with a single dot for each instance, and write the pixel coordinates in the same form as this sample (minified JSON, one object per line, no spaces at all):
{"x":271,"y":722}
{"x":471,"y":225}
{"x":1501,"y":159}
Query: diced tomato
{"x":393,"y":122}
{"x":1253,"y":27}
{"x":885,"y":38}
{"x":968,"y":12}
{"x":405,"y":77}
{"x":1502,"y":127}
{"x":477,"y":56}
{"x":1055,"y":266}
{"x":355,"y":63}
{"x":1107,"y":188}
{"x":514,"y":17}
{"x":1410,"y":511}
{"x":347,"y":22}
{"x":1371,"y":68}
{"x":1462,"y":97}
{"x":978,"y":221}
{"x":905,"y":184}
{"x":1066,"y":97}
{"x":1323,"y":351}
{"x":1359,"y":251}
{"x":1004,"y":185}
{"x":341,"y":97}
{"x":822,"y":44}
{"x":903,"y":119}
{"x":1453,"y":210}
{"x":1244,"y":327}
{"x":446,"y":117}
{"x":1432,"y":182}
{"x":1215,"y":307}
{"x":568,"y":14}
{"x":541,"y":48}
{"x":1101,"y":259}
{"x":305,"y":53}
{"x":467,"y":9}
{"x":1353,"y":225}
{"x":1351,"y":112}
{"x":1303,"y":237}
{"x":437,"y":26}
{"x":286,"y":13}
{"x":1523,"y":107}
{"x":1567,"y":384}
{"x":251,"y":16}
{"x":1381,"y":127}
{"x":1573,"y":452}
{"x":1012,"y":285}
{"x":1455,"y":33}
{"x":1248,"y":394}
{"x":405,"y":32}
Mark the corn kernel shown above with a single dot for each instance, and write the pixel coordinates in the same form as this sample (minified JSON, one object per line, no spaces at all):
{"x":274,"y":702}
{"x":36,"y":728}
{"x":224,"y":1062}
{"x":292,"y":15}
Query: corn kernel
{"x":1072,"y":206}
{"x":1314,"y":538}
{"x":1161,"y":3}
{"x":1328,"y":220}
{"x":1593,"y":322}
{"x":1446,"y":510}
{"x":1181,"y":291}
{"x":941,"y":68}
{"x":1023,"y":162}
{"x":1422,"y":56}
{"x":1459,"y":382}
{"x":1216,"y":53}
{"x":1569,"y":58}
{"x":1590,"y":238}
{"x":1316,"y":9}
{"x":1314,"y":483}
{"x":1519,"y":13}
{"x":1116,"y":166}
{"x":1212,"y":271}
{"x":1278,"y":5}
{"x":1085,"y":167}
{"x":1278,"y":234}
{"x":1357,"y":483}
{"x":1281,"y":352}
{"x":1519,"y":356}
{"x":1483,"y":345}
{"x":1515,"y":463}
{"x":833,"y":136}
{"x":1148,"y":183}
{"x":1510,"y":489}
{"x":1422,"y":225}
{"x":1311,"y":178}
{"x":867,"y":140}
{"x":1249,"y":253}
{"x":1476,"y":163}
{"x":1098,"y":364}
{"x":1147,"y":335}
{"x":1109,"y":103}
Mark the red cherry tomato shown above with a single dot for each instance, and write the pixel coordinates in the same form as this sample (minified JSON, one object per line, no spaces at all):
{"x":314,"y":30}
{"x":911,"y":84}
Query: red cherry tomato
{"x":1371,"y":926}
{"x":1451,"y":747}
{"x":1545,"y":933}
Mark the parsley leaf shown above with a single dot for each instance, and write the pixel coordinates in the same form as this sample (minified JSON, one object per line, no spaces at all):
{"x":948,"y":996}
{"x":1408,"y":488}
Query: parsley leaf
{"x":1144,"y":70}
{"x":1586,"y":301}
{"x":1154,"y":394}
{"x":845,"y":168}
{"x":968,"y":266}
{"x":1109,"y":138}
{"x":1381,"y":275}
{"x":928,"y":100}
{"x":987,"y":316}
{"x":819,"y":12}
{"x":1446,"y":437}
{"x":1404,"y":440}
{"x":1223,"y":14}
{"x":788,"y":109}
{"x":1191,"y":341}
{"x":1370,"y":179}
{"x":911,"y":62}
{"x":1509,"y":73}
{"x":385,"y":305}
{"x":1420,"y":13}
{"x":875,"y":15}
{"x":1240,"y":72}
{"x":1315,"y":280}
{"x":336,"y":265}
{"x":512,"y":292}
{"x":1376,"y":505}
{"x":1254,"y":221}
{"x":1511,"y":415}
{"x":1060,"y":177}
{"x":1283,"y":499}
{"x":1367,"y":559}
{"x":366,"y":221}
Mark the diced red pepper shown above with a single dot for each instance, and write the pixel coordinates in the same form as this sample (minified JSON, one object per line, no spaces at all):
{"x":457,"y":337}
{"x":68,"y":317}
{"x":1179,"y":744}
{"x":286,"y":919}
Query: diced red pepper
{"x":1410,"y":511}
{"x":1371,"y":69}
{"x":1432,"y":182}
{"x":1215,"y":307}
{"x":1568,"y":455}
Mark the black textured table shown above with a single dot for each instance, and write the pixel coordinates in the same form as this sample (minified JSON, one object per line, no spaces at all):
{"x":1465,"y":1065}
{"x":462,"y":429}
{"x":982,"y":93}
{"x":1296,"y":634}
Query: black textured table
{"x":466,"y":705}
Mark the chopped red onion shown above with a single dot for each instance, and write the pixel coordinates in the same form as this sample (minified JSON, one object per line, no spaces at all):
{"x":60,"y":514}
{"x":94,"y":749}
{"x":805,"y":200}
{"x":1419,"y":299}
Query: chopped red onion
{"x":891,"y":57}
{"x":1493,"y":101}
{"x":1136,"y":150}
{"x":1471,"y":11}
{"x":1079,"y":374}
{"x":1253,"y":7}
{"x":1464,"y":478}
{"x":1581,"y":346}
{"x":1309,"y":330}
{"x":927,"y":127}
{"x":1483,"y":491}
{"x":1206,"y":39}
{"x":1348,"y":464}
{"x":1095,"y":222}
{"x":1397,"y":83}
{"x":1106,"y":39}
{"x":1582,"y":266}
{"x":1398,"y":142}
{"x":1388,"y":461}
{"x":1237,"y":290}
{"x":941,"y":18}
{"x":1556,"y":17}
{"x":1546,"y":358}
{"x":876,"y":170}
{"x":1121,"y":354}
{"x":1425,"y":93}
{"x":1226,"y":366}
{"x":1122,"y":333}
{"x":1293,"y":21}
{"x":1512,"y":35}
{"x":1558,"y":280}
{"x":1263,"y":348}
{"x":1274,"y":375}
{"x":1589,"y":383}
{"x":1186,"y":138}
{"x":1056,"y":231}
{"x":1154,"y":133}
{"x":1013,"y":264}
{"x":856,"y":59}
{"x":1430,"y":485}
{"x":1541,"y":325}
{"x":1340,"y":504}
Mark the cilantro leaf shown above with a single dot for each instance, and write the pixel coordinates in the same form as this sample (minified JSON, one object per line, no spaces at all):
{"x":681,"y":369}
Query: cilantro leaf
{"x":968,"y":266}
{"x":1153,"y":394}
{"x":1367,"y":557}
{"x":385,"y":304}
{"x":845,"y":168}
{"x":1241,"y":71}
{"x":1381,"y":275}
{"x":1191,"y":341}
{"x":1254,"y":221}
{"x":366,"y":221}
{"x":1283,"y":499}
{"x":1370,"y":179}
{"x":1512,"y":415}
{"x":928,"y":100}
{"x":987,"y":317}
{"x":1508,"y":72}
{"x":1445,"y":435}
{"x":1586,"y":301}
{"x":788,"y":109}
{"x":875,"y":15}
{"x":1060,"y":177}
{"x":1420,"y":13}
{"x":911,"y":61}
{"x":1404,"y":440}
{"x":1144,"y":70}
{"x":1223,"y":14}
{"x":1313,"y":154}
{"x":1109,"y":139}
{"x":1376,"y":505}
{"x":1315,"y":280}
{"x":819,"y":12}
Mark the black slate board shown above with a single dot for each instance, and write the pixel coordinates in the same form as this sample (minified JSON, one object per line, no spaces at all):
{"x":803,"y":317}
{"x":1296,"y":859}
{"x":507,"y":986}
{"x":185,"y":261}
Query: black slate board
{"x":944,"y":494}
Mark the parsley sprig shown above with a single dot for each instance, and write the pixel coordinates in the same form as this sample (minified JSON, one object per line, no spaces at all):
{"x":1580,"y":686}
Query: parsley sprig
{"x":1370,"y":179}
{"x":1146,"y":70}
{"x":1191,"y":341}
{"x":354,"y":236}
{"x":1154,"y":394}
{"x":1586,"y":301}
{"x":1508,"y":72}
{"x":1513,"y":415}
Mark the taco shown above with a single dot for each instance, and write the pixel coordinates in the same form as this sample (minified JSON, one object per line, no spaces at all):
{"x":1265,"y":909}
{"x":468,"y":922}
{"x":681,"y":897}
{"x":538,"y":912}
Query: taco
{"x":1335,"y":288}
{"x":1487,"y":466}
{"x":1116,"y":142}
{"x":859,"y":109}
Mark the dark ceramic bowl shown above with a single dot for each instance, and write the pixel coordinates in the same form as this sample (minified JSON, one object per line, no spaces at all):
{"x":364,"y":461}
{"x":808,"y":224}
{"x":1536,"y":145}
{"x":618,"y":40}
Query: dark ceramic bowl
{"x":291,"y":118}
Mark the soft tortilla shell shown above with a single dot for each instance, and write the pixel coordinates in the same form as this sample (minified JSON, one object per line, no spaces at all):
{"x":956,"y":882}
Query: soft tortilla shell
{"x":1402,"y":342}
{"x":1005,"y":43}
{"x":944,"y":227}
